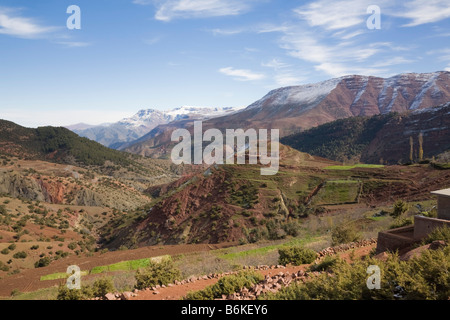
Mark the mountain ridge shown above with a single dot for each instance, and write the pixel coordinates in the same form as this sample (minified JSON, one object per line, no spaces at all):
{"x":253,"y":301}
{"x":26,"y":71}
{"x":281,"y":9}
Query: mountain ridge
{"x":299,"y":108}
{"x":133,"y":128}
{"x":380,"y":138}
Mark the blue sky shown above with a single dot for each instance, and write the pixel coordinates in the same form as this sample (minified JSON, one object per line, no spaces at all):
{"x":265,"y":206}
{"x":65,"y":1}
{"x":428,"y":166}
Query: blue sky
{"x":162,"y":54}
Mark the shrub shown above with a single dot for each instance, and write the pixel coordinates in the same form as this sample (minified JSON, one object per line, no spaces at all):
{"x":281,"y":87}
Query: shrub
{"x":426,"y":277}
{"x":65,"y":293}
{"x":35,"y":247}
{"x":15,"y":293}
{"x":401,"y":222}
{"x":344,"y":234}
{"x":157,"y":274}
{"x":3,"y":267}
{"x":5,"y":251}
{"x":296,"y":256}
{"x":72,"y":245}
{"x":442,"y":233}
{"x":326,"y":264}
{"x":43,"y":262}
{"x":20,"y":255}
{"x":98,"y":289}
{"x":102,"y":286}
{"x":12,"y":246}
{"x":227,"y":285}
{"x":400,"y":207}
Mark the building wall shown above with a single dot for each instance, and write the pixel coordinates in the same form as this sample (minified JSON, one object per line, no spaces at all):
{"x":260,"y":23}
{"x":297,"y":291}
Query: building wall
{"x":444,"y":207}
{"x":393,"y":239}
{"x":423,"y":226}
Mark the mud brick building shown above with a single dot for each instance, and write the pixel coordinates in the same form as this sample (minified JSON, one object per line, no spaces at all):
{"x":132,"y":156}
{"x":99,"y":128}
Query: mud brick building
{"x":397,"y":239}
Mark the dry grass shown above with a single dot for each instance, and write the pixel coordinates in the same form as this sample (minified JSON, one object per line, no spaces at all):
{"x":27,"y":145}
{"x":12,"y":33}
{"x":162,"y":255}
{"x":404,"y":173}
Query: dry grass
{"x":198,"y":264}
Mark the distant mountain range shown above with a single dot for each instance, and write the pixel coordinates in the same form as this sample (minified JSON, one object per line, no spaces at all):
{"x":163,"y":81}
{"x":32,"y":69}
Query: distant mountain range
{"x":129,"y":129}
{"x":299,"y":108}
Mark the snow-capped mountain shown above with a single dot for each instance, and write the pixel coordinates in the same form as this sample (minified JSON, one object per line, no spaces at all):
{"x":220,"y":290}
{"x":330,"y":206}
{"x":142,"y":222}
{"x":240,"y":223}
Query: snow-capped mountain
{"x":298,"y":108}
{"x":144,"y":117}
{"x":405,"y":91}
{"x":133,"y":128}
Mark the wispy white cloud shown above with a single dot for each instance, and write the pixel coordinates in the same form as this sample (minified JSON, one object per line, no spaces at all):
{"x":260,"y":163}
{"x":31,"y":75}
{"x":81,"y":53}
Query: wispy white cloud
{"x":285,"y":79}
{"x":335,"y":59}
{"x":226,"y":32}
{"x":442,"y":54}
{"x":350,"y":35}
{"x":342,"y":14}
{"x":74,"y":44}
{"x":268,"y":28}
{"x":11,"y":23}
{"x":392,"y":62}
{"x":168,"y":10}
{"x":242,"y":74}
{"x":424,"y":11}
{"x":283,"y":73}
{"x":335,"y":15}
{"x":275,"y":64}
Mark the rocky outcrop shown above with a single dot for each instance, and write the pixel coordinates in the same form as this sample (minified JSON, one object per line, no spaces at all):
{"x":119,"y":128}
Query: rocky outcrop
{"x":16,"y":186}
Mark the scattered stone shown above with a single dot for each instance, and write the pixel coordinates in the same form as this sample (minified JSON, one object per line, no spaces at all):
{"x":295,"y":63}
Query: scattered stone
{"x":110,"y":296}
{"x":126,"y":295}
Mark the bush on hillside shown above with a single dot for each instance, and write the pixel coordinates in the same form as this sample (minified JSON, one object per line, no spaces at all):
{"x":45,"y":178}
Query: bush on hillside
{"x":43,"y":262}
{"x":426,"y":277}
{"x":326,"y":264}
{"x":102,"y":286}
{"x":442,"y":233}
{"x":155,"y":273}
{"x":344,"y":234}
{"x":20,"y":255}
{"x":400,"y":207}
{"x":296,"y":256}
{"x":98,"y":289}
{"x":401,"y":222}
{"x":227,"y":285}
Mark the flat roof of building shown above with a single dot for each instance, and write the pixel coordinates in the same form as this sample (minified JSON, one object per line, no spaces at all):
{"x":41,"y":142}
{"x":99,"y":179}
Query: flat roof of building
{"x":444,"y":192}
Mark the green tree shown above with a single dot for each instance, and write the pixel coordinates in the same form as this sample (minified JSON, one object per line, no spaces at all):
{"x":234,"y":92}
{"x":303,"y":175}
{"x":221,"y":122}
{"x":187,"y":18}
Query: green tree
{"x":161,"y":273}
{"x":400,"y":207}
{"x":344,"y":234}
{"x":296,"y":256}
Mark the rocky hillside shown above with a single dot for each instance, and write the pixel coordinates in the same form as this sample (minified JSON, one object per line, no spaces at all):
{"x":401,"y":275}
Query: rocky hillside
{"x":57,"y":166}
{"x":235,"y":203}
{"x":381,"y":138}
{"x":295,"y":109}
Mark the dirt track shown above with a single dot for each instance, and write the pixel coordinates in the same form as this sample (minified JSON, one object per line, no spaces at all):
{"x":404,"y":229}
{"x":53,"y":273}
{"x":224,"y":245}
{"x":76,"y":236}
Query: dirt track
{"x":29,"y":280}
